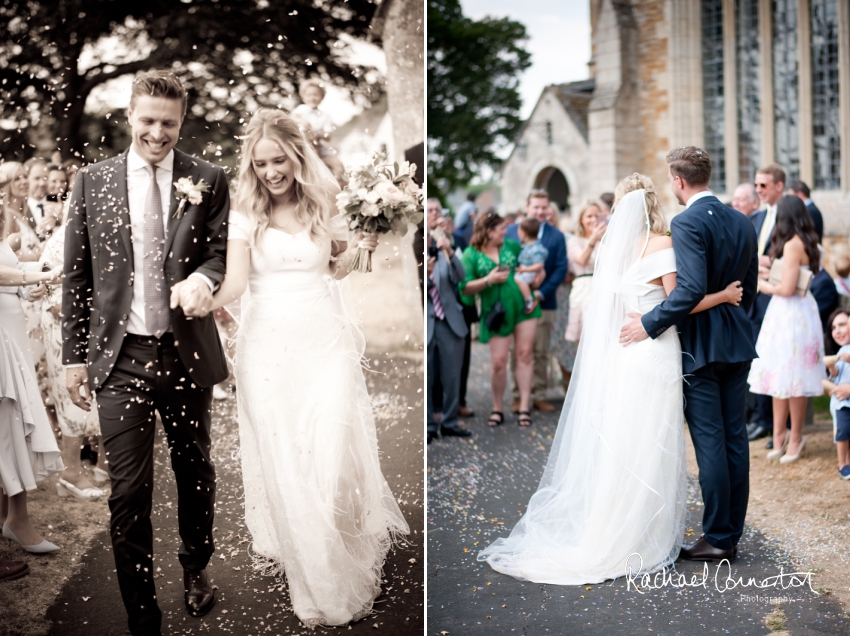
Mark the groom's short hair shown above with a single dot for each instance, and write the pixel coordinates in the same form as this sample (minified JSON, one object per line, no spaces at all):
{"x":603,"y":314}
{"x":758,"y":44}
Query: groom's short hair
{"x":690,"y":163}
{"x":158,"y":84}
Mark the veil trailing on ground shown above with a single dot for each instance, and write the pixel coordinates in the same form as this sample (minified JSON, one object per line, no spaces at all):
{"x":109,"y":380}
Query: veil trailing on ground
{"x":614,"y":482}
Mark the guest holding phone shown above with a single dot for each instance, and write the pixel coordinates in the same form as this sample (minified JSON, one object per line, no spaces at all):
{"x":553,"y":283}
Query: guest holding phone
{"x":489,"y":263}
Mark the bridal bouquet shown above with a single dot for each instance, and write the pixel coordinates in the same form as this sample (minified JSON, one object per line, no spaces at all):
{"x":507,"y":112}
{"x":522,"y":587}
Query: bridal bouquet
{"x":380,"y":197}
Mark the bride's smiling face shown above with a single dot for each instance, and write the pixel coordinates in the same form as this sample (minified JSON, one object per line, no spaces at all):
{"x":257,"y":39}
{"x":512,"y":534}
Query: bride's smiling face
{"x":273,"y":168}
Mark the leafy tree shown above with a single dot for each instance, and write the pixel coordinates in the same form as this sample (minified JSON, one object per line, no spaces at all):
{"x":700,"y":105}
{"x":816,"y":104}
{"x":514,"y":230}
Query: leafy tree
{"x":473,"y":101}
{"x":232,"y":55}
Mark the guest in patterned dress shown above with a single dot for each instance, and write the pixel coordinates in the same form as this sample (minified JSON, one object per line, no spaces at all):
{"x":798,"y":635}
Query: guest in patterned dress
{"x":489,"y":263}
{"x":76,"y":424}
{"x":790,"y":365}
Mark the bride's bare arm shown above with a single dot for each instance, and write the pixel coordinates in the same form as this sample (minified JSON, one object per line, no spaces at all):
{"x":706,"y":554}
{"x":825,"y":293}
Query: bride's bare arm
{"x":732,"y":294}
{"x":236,"y":273}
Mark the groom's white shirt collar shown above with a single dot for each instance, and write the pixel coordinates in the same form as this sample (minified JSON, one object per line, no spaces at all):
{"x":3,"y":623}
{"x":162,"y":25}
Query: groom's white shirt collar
{"x":135,"y":162}
{"x":698,"y":195}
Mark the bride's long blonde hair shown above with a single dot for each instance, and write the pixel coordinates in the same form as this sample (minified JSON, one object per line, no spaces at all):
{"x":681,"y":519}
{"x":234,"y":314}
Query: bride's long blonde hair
{"x":314,"y":189}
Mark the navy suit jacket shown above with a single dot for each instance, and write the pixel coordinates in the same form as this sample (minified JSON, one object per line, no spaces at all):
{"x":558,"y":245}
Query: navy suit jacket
{"x":556,"y":263}
{"x":756,"y":312}
{"x":817,"y":219}
{"x":715,"y":245}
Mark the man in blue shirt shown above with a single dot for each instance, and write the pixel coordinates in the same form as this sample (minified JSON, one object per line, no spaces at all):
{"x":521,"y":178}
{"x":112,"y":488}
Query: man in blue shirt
{"x":537,"y":206}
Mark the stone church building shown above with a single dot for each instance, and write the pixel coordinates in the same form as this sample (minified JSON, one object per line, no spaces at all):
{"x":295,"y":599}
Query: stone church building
{"x":751,"y":81}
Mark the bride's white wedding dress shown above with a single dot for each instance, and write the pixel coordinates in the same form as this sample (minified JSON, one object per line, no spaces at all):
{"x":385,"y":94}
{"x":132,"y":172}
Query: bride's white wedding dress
{"x":316,"y":502}
{"x":616,"y":479}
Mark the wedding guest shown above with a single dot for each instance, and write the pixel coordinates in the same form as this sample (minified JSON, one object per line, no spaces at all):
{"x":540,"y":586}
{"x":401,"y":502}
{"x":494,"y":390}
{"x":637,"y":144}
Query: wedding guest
{"x":71,"y":167}
{"x":842,"y":279}
{"x":606,"y":201}
{"x":446,"y":329}
{"x":319,"y":124}
{"x":465,"y":217}
{"x":531,"y":259}
{"x":745,"y":199}
{"x":45,"y":213}
{"x":825,"y":294}
{"x":19,"y":226}
{"x":582,"y":249}
{"x":488,"y":263}
{"x":800,"y":189}
{"x":75,"y":424}
{"x":790,"y":344}
{"x":57,"y":183}
{"x":537,"y":207}
{"x":838,"y":388}
{"x":769,"y":184}
{"x":28,"y":451}
{"x":563,"y":350}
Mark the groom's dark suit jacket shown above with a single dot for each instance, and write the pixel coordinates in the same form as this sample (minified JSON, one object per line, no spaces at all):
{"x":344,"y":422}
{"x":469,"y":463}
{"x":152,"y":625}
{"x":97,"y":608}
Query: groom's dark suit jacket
{"x":715,"y":245}
{"x":98,"y":285}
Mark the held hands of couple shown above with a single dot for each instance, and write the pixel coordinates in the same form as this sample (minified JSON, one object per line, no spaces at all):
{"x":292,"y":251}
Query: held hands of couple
{"x":634,"y":331}
{"x":192,"y":295}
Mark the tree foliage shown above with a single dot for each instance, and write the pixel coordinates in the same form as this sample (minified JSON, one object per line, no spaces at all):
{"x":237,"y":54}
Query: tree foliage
{"x":232,"y":55}
{"x":473,"y":97}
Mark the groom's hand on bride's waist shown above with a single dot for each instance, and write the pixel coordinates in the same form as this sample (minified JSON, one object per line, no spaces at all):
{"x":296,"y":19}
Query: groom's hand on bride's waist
{"x":633,"y":332}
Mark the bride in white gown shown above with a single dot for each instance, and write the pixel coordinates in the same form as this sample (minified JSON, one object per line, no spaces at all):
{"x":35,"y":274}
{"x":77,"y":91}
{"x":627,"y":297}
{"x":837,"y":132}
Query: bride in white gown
{"x":316,"y":503}
{"x":615,"y":482}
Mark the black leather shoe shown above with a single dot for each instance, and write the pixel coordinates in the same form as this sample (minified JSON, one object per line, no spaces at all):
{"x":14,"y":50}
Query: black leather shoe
{"x":454,"y":432}
{"x":769,"y":445}
{"x":758,"y":432}
{"x":702,"y":550}
{"x":198,"y":595}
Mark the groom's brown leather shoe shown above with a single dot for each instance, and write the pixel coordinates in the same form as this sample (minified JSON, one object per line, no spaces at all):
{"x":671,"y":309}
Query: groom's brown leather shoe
{"x":198,"y":595}
{"x":702,"y":550}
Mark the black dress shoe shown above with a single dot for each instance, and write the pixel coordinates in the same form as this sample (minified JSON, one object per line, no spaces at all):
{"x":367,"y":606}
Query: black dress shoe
{"x":454,"y":432}
{"x":10,"y":570}
{"x":702,"y":550}
{"x":758,"y":432}
{"x":198,"y":595}
{"x":769,"y":445}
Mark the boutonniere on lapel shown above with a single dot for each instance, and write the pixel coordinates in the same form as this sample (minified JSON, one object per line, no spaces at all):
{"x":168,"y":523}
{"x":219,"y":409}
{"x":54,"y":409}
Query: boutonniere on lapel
{"x":187,"y":190}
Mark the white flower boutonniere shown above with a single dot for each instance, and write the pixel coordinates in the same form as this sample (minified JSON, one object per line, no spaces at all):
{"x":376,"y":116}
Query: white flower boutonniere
{"x":186,"y":190}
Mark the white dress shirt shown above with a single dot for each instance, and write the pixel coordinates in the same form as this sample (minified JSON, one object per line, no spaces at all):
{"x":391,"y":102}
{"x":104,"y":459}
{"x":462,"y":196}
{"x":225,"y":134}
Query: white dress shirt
{"x":698,"y":195}
{"x":138,"y":182}
{"x":37,"y":213}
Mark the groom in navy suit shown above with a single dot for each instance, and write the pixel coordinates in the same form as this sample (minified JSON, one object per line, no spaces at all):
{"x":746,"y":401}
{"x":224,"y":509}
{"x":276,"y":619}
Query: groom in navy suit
{"x":715,"y":245}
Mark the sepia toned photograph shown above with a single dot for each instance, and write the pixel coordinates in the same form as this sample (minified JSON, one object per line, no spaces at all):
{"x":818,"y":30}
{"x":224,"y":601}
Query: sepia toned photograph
{"x":211,"y":322}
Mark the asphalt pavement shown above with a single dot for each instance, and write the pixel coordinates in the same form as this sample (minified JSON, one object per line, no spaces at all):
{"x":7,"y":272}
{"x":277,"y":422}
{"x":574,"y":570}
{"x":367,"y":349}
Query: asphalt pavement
{"x":248,"y":603}
{"x":478,"y":489}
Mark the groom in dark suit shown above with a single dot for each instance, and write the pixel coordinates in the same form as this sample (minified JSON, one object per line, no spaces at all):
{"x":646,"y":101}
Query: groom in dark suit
{"x":134,"y":243}
{"x":715,"y":245}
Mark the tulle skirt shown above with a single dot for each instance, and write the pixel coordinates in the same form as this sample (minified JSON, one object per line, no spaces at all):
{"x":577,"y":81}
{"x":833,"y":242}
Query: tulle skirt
{"x":790,"y":349}
{"x":614,"y":490}
{"x":316,"y":502}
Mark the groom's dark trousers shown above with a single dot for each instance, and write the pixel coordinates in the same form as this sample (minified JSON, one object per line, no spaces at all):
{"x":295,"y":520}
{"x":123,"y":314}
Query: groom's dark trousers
{"x":149,"y":376}
{"x":715,"y":245}
{"x":133,"y":376}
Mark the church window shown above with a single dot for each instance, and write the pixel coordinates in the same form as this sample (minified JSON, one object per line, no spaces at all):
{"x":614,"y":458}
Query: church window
{"x":785,"y":87}
{"x":712,"y":81}
{"x":826,"y":124}
{"x":748,"y":83}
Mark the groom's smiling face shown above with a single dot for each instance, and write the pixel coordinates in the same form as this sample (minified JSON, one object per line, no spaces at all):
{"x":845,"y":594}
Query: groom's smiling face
{"x":155,"y":124}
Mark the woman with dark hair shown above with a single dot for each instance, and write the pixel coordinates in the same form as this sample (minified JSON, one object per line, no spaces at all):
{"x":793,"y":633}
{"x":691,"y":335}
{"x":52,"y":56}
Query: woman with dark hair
{"x":790,"y":365}
{"x":489,"y":262}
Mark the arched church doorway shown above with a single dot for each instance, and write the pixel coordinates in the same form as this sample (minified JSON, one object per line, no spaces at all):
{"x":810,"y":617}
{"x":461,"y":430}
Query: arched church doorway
{"x":555,"y":183}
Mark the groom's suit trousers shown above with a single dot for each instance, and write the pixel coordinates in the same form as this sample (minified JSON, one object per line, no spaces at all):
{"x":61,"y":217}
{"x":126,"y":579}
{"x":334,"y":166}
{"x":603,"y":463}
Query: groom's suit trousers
{"x":715,"y":395}
{"x":149,"y":376}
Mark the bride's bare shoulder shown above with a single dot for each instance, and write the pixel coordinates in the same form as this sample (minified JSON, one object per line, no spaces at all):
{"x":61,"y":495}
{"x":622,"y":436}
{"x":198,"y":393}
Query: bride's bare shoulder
{"x":658,"y":242}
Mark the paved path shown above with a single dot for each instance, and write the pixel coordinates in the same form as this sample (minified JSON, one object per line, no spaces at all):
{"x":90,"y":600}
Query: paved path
{"x":90,"y":604}
{"x":477,"y":490}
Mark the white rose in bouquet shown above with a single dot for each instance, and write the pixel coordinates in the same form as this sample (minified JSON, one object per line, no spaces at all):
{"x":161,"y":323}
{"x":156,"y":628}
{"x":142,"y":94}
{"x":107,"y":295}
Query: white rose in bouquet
{"x":390,"y":194}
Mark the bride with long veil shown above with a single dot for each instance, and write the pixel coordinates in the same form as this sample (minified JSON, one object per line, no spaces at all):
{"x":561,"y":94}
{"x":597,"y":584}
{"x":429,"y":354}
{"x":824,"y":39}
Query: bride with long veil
{"x":615,"y":482}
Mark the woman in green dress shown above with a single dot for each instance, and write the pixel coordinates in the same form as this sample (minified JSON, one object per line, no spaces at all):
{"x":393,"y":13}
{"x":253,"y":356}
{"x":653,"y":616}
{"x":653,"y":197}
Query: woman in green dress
{"x":489,"y":262}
